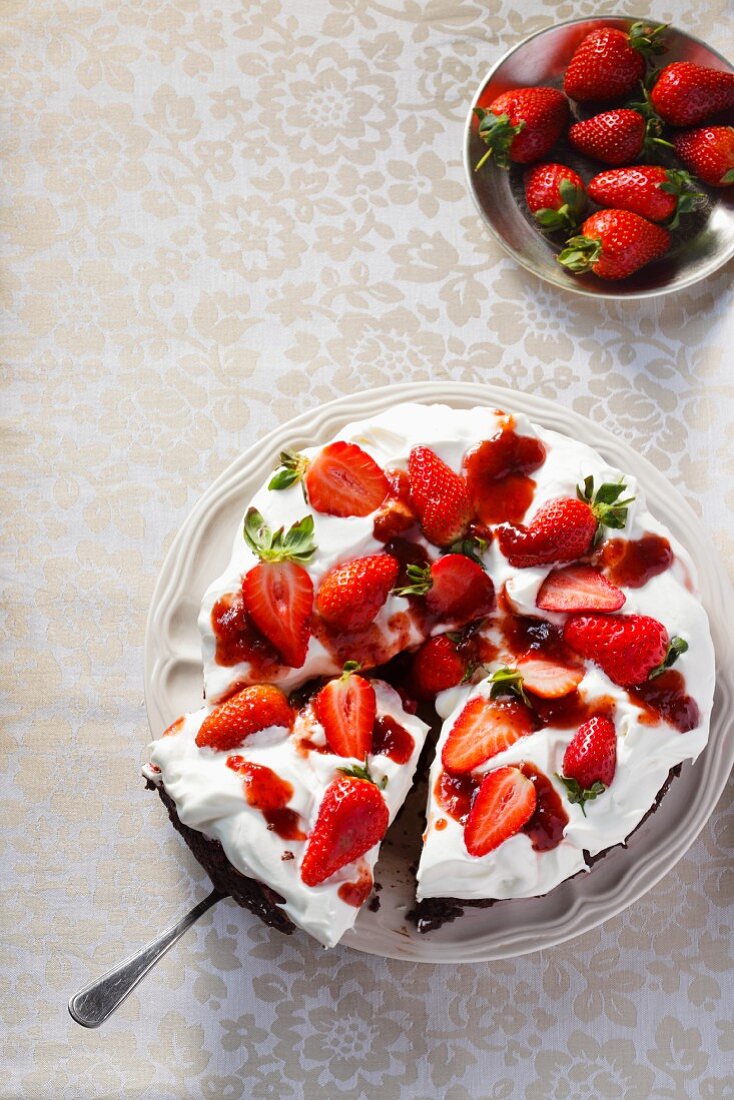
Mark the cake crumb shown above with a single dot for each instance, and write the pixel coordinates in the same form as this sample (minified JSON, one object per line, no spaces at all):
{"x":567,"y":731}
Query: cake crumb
{"x":287,"y":855}
{"x":374,"y":903}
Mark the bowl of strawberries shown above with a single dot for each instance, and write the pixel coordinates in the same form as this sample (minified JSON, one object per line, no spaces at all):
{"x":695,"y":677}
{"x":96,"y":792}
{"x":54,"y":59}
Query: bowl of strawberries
{"x":600,"y":153}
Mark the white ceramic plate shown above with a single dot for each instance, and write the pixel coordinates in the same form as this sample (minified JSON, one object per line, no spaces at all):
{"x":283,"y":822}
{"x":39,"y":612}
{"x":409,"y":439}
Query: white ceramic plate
{"x":173,"y":684}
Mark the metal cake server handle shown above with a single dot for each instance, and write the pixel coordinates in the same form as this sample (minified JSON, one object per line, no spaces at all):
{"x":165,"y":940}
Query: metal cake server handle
{"x":92,"y":1005}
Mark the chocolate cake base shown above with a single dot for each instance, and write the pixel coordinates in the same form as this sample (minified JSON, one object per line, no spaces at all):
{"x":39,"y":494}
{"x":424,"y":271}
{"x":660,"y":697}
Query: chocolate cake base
{"x":247,"y":892}
{"x":431,"y":913}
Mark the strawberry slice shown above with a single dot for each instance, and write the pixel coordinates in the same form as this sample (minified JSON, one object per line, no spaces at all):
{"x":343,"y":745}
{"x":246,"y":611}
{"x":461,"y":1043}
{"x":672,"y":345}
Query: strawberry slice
{"x":455,"y":587}
{"x":279,"y":597}
{"x":503,"y":804}
{"x":347,"y":709}
{"x":548,"y":679}
{"x":440,"y":497}
{"x":578,"y":588}
{"x":484,"y":728}
{"x":254,"y":708}
{"x":344,"y":481}
{"x":352,"y":818}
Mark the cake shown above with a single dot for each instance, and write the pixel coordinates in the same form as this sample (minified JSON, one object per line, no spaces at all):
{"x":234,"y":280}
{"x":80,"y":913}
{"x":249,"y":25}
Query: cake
{"x":499,"y":574}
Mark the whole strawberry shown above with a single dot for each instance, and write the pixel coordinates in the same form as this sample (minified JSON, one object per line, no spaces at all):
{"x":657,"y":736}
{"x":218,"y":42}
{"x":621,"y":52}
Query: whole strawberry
{"x":609,"y":63}
{"x":686,"y":94}
{"x":555,"y":196}
{"x":614,"y":244}
{"x":709,"y":152}
{"x":440,"y":497}
{"x":253,"y":709}
{"x":614,"y":137}
{"x":628,"y":648}
{"x":653,"y":192}
{"x":522,"y":125}
{"x":564,"y":529}
{"x":590,"y":760}
{"x":352,"y":818}
{"x":437,"y":665}
{"x":351,"y":594}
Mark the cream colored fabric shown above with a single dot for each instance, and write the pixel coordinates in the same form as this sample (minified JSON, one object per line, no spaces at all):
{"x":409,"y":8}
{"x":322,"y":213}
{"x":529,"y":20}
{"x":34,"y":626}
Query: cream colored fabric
{"x":218,"y":215}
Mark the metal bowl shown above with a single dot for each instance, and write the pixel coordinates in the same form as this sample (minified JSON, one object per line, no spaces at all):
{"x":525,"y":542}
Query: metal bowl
{"x":702,"y":243}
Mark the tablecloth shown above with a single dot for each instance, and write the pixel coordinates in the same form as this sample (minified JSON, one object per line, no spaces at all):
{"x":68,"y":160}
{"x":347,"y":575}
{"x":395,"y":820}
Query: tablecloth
{"x":218,"y":215}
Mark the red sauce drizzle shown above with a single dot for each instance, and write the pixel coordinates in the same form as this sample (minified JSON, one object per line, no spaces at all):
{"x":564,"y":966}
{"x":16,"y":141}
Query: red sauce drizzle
{"x":497,"y":476}
{"x":356,"y":893}
{"x":396,"y":515}
{"x":391,"y":739}
{"x":440,"y":825}
{"x":238,"y":640}
{"x":370,"y":646}
{"x":631,"y":563}
{"x":665,"y":697}
{"x":455,"y":794}
{"x":267,"y":792}
{"x":570,"y":710}
{"x":407,"y":553}
{"x":174,"y":728}
{"x":545,"y":827}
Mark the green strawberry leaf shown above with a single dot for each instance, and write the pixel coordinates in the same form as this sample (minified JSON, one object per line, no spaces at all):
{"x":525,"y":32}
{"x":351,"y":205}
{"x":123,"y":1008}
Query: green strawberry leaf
{"x":676,"y":647}
{"x":471,"y":547}
{"x":420,"y":576}
{"x":362,"y":771}
{"x":508,"y":681}
{"x":578,"y":795}
{"x":295,"y":545}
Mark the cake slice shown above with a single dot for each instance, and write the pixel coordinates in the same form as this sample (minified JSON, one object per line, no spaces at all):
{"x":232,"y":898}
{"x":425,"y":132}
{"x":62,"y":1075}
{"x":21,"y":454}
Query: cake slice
{"x":286,"y":806}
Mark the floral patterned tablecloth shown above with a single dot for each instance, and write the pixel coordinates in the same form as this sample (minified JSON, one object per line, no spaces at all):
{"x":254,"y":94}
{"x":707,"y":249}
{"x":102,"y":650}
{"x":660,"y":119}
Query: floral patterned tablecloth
{"x":220,"y":215}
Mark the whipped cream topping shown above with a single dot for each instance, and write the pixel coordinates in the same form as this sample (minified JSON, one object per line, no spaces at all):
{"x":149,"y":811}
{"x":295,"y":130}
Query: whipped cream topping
{"x":645,"y":752}
{"x":210,"y":797}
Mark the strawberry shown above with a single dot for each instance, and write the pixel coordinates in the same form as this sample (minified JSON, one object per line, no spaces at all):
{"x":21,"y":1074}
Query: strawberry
{"x":505,"y":802}
{"x":437,"y":665}
{"x":341,"y":481}
{"x":628,"y":648}
{"x":709,"y":152}
{"x":351,"y":594}
{"x":440,"y":497}
{"x":484,"y":728}
{"x":522,"y":125}
{"x":590,"y":760}
{"x":352,"y":818}
{"x":278,"y":593}
{"x":614,"y":244}
{"x":614,"y":137}
{"x":555,"y":196}
{"x":548,"y":679}
{"x":685,"y":94}
{"x":254,"y":708}
{"x":608,"y":63}
{"x":456,"y":588}
{"x":346,"y":707}
{"x":578,"y":588}
{"x":652,"y":192}
{"x":566,"y":528}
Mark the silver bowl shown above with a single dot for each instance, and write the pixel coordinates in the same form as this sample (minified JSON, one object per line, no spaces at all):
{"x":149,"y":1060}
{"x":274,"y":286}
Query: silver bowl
{"x":702,"y":243}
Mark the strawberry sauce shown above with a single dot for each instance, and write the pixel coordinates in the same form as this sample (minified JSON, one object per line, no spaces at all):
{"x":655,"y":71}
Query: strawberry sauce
{"x":267,"y":792}
{"x":392,"y":740}
{"x":356,"y":893}
{"x":545,"y":828}
{"x":630,"y":563}
{"x":455,"y":794}
{"x":497,"y":476}
{"x":237,"y":639}
{"x":395,"y":516}
{"x":665,"y":697}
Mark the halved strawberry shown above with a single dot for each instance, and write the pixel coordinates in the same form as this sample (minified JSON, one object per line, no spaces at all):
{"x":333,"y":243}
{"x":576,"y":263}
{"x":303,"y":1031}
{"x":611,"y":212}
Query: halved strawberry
{"x":456,"y":588}
{"x":578,"y":588}
{"x":548,"y":679}
{"x":254,"y":708}
{"x":484,"y":728}
{"x":346,"y":707}
{"x":437,"y":665}
{"x":505,"y":802}
{"x":279,"y":597}
{"x":352,"y":818}
{"x":351,"y":594}
{"x":440,"y":497}
{"x":344,"y":481}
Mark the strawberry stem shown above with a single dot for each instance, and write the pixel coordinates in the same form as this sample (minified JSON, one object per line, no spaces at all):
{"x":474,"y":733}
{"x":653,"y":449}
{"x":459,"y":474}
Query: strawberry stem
{"x":296,"y":544}
{"x":676,"y":647}
{"x":578,"y":795}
